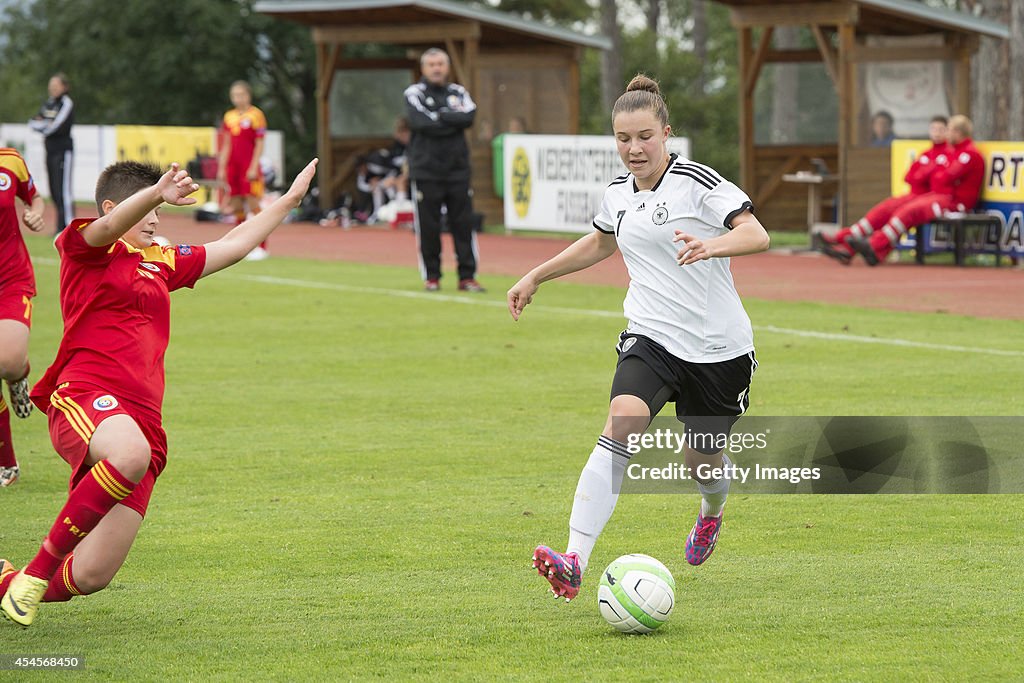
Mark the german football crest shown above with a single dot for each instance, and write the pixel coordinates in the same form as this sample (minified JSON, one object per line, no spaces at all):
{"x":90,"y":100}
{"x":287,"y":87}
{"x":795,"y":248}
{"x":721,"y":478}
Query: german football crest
{"x":105,"y":403}
{"x":660,"y":215}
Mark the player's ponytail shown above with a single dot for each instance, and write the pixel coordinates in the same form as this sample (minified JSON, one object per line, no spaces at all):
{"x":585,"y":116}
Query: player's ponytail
{"x":642,"y":93}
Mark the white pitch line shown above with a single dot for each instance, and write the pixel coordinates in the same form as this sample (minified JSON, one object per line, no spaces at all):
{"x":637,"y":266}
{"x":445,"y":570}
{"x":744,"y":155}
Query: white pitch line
{"x":887,"y":341}
{"x":540,"y":308}
{"x":593,"y":313}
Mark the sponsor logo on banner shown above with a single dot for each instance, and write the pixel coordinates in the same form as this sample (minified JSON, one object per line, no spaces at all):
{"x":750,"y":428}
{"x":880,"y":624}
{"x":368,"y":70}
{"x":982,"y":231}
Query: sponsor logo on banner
{"x":521,"y":182}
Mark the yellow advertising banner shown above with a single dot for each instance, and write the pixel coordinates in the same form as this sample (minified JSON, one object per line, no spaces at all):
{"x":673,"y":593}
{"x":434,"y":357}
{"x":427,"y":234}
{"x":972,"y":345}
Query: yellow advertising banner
{"x":163,"y":145}
{"x":1004,"y":168}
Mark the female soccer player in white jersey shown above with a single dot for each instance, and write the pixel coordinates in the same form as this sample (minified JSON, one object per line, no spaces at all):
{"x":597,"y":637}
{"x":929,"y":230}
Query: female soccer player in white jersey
{"x":689,"y":340}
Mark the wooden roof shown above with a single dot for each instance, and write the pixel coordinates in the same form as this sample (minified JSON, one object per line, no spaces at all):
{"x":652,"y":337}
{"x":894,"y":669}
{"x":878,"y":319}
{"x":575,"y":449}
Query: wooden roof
{"x":884,"y":17}
{"x":496,"y":28}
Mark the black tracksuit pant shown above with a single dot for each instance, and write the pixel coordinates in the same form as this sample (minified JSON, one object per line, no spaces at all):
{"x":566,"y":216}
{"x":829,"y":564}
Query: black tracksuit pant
{"x":58,"y":172}
{"x":430,"y":196}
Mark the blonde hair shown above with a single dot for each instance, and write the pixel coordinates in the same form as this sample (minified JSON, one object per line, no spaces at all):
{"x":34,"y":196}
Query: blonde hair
{"x":962,"y":124}
{"x":642,"y":94}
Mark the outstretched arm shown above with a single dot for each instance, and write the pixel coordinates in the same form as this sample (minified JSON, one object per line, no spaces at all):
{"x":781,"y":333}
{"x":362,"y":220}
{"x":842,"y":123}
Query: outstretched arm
{"x":747,"y":236}
{"x":174,"y":187}
{"x":581,"y":254}
{"x":232,"y":247}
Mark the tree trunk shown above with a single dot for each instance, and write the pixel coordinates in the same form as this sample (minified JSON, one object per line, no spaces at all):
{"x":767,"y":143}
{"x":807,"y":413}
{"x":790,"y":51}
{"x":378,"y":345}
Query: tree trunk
{"x":700,"y":42}
{"x":653,"y":15}
{"x":1016,"y":122}
{"x":991,"y":78}
{"x":611,"y":60}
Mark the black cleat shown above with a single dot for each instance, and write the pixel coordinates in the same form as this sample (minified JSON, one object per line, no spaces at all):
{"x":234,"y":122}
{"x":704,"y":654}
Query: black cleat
{"x":864,"y":248}
{"x":834,"y":250}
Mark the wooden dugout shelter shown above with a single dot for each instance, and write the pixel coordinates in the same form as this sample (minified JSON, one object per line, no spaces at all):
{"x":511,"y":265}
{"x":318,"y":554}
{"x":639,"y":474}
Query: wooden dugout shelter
{"x":512,"y":67}
{"x":842,"y":32}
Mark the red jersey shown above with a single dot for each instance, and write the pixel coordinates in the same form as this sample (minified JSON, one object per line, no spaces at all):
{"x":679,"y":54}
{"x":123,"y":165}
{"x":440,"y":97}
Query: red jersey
{"x":117,"y":315}
{"x":964,"y":175}
{"x":921,"y":170}
{"x":15,"y":181}
{"x":245,"y":128}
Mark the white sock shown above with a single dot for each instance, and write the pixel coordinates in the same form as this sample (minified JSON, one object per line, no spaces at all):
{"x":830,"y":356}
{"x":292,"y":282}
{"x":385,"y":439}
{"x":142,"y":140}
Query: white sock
{"x":714,"y":493}
{"x":596,"y":495}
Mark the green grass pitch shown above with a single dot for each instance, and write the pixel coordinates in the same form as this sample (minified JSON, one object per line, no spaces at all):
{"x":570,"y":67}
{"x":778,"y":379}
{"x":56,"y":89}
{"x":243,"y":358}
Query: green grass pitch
{"x":357,"y":479}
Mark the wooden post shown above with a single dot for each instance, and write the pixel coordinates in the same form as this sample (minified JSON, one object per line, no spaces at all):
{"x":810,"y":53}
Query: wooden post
{"x":754,"y":68}
{"x":746,"y":112}
{"x":458,"y":70}
{"x":574,"y":91}
{"x":326,"y":59}
{"x":827,"y":54}
{"x":847,"y":41}
{"x":965,"y":47}
{"x":470,"y":52}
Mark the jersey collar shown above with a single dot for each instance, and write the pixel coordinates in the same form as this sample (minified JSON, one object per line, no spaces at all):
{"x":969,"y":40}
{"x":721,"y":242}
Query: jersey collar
{"x":671,"y":160}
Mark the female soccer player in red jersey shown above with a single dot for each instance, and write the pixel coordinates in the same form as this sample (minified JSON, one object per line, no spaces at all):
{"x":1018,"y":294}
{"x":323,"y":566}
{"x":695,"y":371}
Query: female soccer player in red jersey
{"x":689,"y":341}
{"x":103,"y":393}
{"x":242,"y":134}
{"x":17,"y":288}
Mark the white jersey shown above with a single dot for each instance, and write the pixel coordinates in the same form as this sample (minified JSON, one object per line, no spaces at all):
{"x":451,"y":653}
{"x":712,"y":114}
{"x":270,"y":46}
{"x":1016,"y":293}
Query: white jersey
{"x":693,"y":311}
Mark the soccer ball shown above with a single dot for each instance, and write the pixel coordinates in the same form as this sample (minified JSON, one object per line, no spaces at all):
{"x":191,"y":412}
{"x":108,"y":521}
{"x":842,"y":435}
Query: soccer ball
{"x":636,"y":594}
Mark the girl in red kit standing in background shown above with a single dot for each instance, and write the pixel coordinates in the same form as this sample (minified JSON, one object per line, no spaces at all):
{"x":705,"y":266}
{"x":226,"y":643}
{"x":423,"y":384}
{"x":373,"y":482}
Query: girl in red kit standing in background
{"x":241,"y":146}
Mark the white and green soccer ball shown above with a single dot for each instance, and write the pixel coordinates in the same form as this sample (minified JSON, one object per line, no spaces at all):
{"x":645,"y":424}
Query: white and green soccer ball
{"x":636,"y":594}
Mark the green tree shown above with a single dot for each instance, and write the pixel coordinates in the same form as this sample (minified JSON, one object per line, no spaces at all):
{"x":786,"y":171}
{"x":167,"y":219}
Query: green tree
{"x":151,"y":62}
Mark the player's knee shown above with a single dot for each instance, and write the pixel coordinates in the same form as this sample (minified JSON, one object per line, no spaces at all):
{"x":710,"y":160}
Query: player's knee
{"x":13,"y":363}
{"x":132,"y":457}
{"x":626,"y":415}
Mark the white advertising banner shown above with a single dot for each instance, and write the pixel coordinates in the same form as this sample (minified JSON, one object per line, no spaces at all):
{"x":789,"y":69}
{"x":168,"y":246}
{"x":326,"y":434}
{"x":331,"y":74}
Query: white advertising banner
{"x":96,"y":147}
{"x":556,"y":182}
{"x":94,"y":150}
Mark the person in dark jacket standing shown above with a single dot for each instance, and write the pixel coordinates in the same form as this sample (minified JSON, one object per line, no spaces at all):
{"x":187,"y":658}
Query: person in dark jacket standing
{"x":438,"y":156}
{"x":54,"y":121}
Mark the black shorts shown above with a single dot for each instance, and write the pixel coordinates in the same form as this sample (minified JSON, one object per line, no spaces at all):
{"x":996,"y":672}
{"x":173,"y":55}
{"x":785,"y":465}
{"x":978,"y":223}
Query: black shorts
{"x":711,"y":395}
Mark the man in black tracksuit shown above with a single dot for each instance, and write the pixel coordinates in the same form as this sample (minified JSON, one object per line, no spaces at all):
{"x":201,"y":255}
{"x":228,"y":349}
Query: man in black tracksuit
{"x":54,"y":121}
{"x":438,"y":114}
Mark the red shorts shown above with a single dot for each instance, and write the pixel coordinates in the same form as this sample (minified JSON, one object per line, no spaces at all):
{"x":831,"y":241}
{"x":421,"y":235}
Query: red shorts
{"x":239,"y":184}
{"x":76,"y":409}
{"x":16,"y":304}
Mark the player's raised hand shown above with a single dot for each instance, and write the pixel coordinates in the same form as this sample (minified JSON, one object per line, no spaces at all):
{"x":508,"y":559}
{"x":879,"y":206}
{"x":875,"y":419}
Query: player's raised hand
{"x":693,"y":249}
{"x":520,"y":296}
{"x":33,"y":220}
{"x":300,"y":186}
{"x":176,"y":185}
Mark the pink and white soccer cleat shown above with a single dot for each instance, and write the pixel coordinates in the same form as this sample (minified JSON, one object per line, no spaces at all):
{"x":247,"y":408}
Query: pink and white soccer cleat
{"x":562,"y":571}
